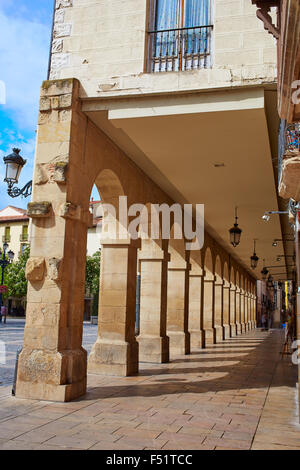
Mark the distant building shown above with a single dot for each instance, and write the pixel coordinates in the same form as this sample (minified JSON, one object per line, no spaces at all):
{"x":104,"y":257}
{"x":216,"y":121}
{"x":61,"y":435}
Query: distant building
{"x":14,"y":229}
{"x":93,"y":239}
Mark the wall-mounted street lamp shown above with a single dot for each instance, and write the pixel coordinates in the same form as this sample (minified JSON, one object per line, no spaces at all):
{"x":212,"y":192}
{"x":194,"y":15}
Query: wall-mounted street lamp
{"x":284,"y":256}
{"x":7,"y":258}
{"x":276,"y":240}
{"x":235,"y":232}
{"x":14,"y":164}
{"x":267,"y":215}
{"x":254,"y":258}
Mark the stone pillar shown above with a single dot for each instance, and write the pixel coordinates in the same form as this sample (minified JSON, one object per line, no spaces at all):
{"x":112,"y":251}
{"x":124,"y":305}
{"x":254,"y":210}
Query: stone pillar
{"x":255,"y":311}
{"x":116,"y":349}
{"x":209,"y":310}
{"x":52,"y":364}
{"x":226,"y":311}
{"x":233,"y":326}
{"x":153,"y":340}
{"x":219,"y":310}
{"x":246,"y":311}
{"x":243,"y":323}
{"x":195,"y":307}
{"x":239,"y":329}
{"x":177,"y":310}
{"x":249,"y":312}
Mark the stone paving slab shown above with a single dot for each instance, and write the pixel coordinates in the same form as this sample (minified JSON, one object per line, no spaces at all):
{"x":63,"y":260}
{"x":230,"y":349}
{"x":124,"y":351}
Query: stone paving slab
{"x":239,"y":394}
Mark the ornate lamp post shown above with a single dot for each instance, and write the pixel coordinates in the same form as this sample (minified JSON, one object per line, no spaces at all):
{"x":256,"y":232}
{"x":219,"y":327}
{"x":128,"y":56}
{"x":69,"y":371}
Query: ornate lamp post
{"x":14,"y":164}
{"x":3,"y":263}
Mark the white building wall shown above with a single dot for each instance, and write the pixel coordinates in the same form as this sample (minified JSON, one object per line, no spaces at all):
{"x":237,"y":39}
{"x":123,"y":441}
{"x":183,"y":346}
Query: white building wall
{"x":103,"y":44}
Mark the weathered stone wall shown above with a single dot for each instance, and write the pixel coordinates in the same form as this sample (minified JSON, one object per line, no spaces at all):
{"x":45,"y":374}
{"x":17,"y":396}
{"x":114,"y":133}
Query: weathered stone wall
{"x":103,"y":44}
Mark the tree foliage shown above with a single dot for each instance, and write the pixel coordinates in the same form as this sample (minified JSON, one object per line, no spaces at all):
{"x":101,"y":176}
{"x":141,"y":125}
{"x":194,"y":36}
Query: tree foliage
{"x":93,"y":273}
{"x":14,"y":276}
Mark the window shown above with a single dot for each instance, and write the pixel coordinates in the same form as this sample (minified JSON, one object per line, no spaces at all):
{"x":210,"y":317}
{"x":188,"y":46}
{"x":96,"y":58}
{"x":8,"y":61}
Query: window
{"x":6,"y":237}
{"x":24,"y":236}
{"x":180,"y":37}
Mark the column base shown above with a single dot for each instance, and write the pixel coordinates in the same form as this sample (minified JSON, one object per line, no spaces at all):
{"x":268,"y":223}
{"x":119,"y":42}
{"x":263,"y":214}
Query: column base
{"x":244,"y":328}
{"x":219,"y":334}
{"x":115,"y":358}
{"x":154,"y":349}
{"x":49,"y":392}
{"x":197,"y":338}
{"x":210,"y":336}
{"x":226,"y":331}
{"x":58,"y":376}
{"x":180,"y":342}
{"x":239,"y":329}
{"x":233,"y":330}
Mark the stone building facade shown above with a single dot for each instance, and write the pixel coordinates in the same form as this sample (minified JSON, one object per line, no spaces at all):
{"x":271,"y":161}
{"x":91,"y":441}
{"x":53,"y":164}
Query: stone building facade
{"x":186,"y":120}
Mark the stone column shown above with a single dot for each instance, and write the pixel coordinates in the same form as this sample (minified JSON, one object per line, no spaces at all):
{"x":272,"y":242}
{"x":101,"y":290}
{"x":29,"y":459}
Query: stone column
{"x":219,"y":310}
{"x":233,"y":326}
{"x":255,"y":311}
{"x":209,"y":310}
{"x":153,"y":340}
{"x":239,"y":329}
{"x":116,"y":349}
{"x":246,"y":311}
{"x":52,"y":364}
{"x":249,"y":312}
{"x":195,"y":307}
{"x":226,"y":310}
{"x":243,"y":323}
{"x":177,"y":310}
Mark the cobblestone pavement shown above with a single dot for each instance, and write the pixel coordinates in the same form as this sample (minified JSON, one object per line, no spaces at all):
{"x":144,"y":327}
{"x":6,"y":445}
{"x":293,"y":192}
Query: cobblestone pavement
{"x":238,"y":394}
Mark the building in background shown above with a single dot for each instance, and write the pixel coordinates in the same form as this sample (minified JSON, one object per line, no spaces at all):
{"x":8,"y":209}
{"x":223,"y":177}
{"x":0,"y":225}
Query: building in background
{"x":14,"y":229}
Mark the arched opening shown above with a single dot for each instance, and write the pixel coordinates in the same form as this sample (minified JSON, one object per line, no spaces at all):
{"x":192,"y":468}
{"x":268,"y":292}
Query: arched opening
{"x":116,"y":350}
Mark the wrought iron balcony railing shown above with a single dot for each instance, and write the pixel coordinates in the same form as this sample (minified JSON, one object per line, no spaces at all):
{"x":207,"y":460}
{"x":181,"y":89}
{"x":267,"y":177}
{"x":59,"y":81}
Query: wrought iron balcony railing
{"x":173,"y":50}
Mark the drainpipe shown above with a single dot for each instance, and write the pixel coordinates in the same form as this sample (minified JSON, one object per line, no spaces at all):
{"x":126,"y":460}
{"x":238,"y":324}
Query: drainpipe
{"x":51,"y":40}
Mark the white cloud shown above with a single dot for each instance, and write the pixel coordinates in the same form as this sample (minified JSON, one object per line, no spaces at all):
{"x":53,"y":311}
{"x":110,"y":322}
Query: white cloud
{"x":24,"y":49}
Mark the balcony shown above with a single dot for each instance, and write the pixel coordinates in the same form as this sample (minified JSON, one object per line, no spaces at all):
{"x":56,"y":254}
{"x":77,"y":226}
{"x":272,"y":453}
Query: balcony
{"x":6,"y":238}
{"x":180,"y":49}
{"x":289,"y":161}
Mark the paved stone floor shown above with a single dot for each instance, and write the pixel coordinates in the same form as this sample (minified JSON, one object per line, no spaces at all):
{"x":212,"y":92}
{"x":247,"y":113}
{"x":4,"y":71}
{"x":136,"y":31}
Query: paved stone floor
{"x":236,"y":395}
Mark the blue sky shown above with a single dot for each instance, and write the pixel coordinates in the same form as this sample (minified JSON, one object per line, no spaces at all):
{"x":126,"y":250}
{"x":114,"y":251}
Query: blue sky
{"x":25,"y":30}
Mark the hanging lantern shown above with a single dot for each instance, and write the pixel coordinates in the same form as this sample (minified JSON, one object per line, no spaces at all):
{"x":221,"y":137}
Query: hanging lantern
{"x":254,"y":258}
{"x":235,"y":232}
